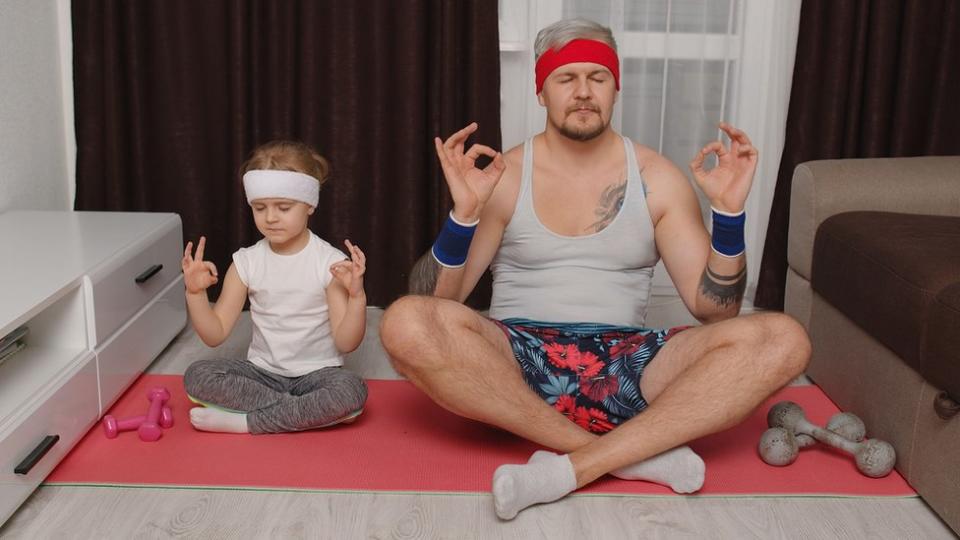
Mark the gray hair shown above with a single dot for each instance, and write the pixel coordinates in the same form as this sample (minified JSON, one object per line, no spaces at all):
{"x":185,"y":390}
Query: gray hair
{"x":558,"y":34}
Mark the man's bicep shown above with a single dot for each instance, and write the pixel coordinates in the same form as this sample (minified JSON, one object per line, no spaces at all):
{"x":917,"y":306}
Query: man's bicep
{"x":493,"y":222}
{"x":684,"y":246}
{"x":483,"y":249}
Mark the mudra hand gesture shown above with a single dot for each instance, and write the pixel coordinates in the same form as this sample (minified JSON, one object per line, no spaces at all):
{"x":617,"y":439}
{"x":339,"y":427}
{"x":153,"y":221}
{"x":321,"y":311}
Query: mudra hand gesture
{"x":728,"y":184}
{"x":198,"y":274}
{"x":470,"y":187}
{"x":350,"y":273}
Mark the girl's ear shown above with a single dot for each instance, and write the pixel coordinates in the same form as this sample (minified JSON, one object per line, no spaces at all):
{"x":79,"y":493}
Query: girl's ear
{"x":310,"y":210}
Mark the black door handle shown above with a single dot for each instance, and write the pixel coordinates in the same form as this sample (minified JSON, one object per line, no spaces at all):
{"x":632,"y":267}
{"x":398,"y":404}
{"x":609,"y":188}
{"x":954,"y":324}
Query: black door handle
{"x":41,"y":450}
{"x":148,"y":273}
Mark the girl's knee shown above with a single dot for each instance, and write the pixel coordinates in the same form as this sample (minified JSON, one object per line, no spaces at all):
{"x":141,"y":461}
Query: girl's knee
{"x":197,"y":376}
{"x":350,"y":389}
{"x":359,"y":391}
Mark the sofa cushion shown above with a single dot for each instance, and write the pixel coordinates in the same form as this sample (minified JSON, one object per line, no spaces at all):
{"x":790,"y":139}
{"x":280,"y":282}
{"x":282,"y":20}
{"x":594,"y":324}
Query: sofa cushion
{"x":883,"y":271}
{"x":941,"y":342}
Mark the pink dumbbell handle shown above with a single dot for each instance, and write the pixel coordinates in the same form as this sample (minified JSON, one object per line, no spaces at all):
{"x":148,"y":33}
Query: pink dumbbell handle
{"x":156,"y":404}
{"x":112,"y":426}
{"x":149,"y":430}
{"x":133,"y":422}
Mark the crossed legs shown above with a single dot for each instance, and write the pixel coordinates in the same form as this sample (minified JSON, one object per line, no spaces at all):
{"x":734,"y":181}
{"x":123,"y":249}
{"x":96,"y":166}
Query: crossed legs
{"x":703,"y":380}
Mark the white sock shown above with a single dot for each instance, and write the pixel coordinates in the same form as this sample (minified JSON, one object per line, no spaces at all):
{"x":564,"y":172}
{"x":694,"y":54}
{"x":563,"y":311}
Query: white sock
{"x":547,"y":479}
{"x":680,"y":469}
{"x":209,"y":419}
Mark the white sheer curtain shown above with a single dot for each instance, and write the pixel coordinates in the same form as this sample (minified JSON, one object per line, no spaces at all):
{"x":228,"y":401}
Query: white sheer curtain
{"x":685,"y":65}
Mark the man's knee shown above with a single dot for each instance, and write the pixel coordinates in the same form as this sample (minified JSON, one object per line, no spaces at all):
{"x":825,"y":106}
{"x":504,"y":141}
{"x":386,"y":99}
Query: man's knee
{"x":405,"y":330}
{"x":780,"y":339}
{"x":403,"y":322}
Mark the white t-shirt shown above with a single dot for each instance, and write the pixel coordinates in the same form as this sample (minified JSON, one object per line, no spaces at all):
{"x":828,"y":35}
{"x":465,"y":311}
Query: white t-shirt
{"x":292,"y":335}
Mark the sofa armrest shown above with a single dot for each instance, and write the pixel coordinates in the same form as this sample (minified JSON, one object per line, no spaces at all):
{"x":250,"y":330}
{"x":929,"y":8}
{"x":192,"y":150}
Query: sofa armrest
{"x":820,"y":189}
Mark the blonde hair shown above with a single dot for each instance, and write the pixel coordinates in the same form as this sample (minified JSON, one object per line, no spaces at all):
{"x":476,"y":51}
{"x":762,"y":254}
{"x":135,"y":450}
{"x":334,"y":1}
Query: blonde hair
{"x":287,"y":156}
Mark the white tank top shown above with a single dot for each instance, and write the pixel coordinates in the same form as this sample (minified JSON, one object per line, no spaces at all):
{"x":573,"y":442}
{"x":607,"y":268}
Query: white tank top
{"x":603,"y":277}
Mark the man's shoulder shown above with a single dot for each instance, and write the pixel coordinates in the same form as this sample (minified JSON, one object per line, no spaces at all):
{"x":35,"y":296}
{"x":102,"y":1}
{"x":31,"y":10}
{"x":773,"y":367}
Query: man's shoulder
{"x":667,"y":187}
{"x":657,"y":168}
{"x":514,"y":156}
{"x":504,"y":197}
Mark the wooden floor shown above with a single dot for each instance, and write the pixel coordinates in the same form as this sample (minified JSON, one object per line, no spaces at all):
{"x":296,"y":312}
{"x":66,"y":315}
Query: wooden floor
{"x":69,"y":512}
{"x":104,"y":512}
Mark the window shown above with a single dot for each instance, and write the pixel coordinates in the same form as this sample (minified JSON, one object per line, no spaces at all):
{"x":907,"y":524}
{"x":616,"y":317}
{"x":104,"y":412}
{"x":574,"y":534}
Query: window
{"x":683,"y":67}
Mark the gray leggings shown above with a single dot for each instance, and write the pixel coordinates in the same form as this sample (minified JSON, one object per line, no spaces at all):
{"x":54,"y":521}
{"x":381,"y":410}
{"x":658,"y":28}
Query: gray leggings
{"x":273,"y":403}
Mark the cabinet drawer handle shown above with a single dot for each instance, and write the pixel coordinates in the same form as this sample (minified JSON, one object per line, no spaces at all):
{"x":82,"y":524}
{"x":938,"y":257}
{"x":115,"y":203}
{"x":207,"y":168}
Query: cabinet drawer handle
{"x":41,"y":450}
{"x":148,"y":273}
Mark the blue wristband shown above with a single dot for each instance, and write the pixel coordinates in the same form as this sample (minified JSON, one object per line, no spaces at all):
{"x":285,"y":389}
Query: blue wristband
{"x":452,"y":244}
{"x":727,"y":237}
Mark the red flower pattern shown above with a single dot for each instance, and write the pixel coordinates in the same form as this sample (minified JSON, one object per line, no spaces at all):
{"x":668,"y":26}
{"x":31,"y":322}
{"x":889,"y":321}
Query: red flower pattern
{"x":627,"y":346}
{"x":598,"y":388}
{"x":592,"y":420}
{"x":566,"y":405}
{"x":568,"y":356}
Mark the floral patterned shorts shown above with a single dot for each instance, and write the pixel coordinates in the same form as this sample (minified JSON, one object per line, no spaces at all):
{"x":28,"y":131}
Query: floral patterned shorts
{"x":589,"y":372}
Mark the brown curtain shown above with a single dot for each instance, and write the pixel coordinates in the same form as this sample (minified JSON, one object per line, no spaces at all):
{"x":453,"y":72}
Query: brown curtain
{"x":172,"y":96}
{"x":871,"y":79}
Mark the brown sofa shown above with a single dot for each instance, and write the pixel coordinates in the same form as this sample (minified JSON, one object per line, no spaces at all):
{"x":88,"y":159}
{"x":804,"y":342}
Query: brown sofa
{"x":874,"y":275}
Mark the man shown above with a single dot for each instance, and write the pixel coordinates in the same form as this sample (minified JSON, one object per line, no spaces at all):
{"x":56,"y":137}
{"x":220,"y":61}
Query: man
{"x":572,"y":231}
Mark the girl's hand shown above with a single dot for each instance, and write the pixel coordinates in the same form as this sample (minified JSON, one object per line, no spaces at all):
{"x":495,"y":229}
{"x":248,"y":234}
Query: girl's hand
{"x":350,"y":273}
{"x":198,"y":274}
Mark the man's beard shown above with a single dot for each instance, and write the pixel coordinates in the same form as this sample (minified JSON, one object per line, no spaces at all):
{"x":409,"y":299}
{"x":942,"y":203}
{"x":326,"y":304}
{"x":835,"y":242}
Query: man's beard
{"x":585,"y":134}
{"x":581,"y":132}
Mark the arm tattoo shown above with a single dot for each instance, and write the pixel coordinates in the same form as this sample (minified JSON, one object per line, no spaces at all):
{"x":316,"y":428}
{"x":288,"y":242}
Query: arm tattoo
{"x":723,"y":290}
{"x":424,"y":275}
{"x":734,"y":277}
{"x":609,"y":206}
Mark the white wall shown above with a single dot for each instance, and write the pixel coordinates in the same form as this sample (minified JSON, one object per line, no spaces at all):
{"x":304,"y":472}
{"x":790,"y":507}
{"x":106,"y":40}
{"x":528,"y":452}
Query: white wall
{"x":37,"y":143}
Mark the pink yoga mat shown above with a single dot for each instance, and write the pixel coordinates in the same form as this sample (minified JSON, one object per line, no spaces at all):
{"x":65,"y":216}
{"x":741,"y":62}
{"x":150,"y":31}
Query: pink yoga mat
{"x":404,"y":442}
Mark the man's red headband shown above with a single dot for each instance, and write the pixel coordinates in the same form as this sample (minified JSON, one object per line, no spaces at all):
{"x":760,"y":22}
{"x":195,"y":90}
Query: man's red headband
{"x":578,"y":50}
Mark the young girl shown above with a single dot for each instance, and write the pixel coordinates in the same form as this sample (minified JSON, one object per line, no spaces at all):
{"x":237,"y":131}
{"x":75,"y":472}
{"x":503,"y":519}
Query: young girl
{"x":307,"y":305}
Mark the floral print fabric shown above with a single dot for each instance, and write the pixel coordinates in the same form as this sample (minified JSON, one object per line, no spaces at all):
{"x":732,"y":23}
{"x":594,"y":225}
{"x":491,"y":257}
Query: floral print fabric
{"x":589,"y":372}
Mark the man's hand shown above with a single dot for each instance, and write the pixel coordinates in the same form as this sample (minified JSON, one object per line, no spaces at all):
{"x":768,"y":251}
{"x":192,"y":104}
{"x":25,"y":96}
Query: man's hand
{"x":350,"y":273}
{"x":469,"y":186}
{"x":197,"y":273}
{"x":728,"y":184}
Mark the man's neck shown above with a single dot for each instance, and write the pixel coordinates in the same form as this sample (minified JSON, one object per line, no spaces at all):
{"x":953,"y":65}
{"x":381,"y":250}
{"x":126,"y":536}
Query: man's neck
{"x":571,"y":154}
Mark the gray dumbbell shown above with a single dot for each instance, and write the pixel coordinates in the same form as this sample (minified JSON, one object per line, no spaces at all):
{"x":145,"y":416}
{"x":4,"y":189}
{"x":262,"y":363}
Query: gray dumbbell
{"x":778,"y":447}
{"x":874,"y":457}
{"x":847,"y":425}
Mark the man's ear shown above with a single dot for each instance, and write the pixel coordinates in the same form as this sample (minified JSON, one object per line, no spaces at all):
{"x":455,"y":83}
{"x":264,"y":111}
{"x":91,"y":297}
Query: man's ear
{"x":310,"y":210}
{"x":540,"y":99}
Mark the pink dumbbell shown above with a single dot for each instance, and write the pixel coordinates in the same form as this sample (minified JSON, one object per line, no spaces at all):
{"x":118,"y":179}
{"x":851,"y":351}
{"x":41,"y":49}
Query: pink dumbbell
{"x":112,"y":427}
{"x":150,"y":430}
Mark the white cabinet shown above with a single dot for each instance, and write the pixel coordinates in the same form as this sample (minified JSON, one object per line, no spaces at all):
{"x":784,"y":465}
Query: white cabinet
{"x":101,"y":294}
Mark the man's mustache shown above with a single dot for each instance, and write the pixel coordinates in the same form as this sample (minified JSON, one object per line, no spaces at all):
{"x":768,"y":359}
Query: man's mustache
{"x":584,"y":105}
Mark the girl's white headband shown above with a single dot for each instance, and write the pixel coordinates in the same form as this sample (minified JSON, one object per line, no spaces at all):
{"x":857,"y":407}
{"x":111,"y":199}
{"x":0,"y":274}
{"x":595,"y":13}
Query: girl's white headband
{"x":272,"y":184}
